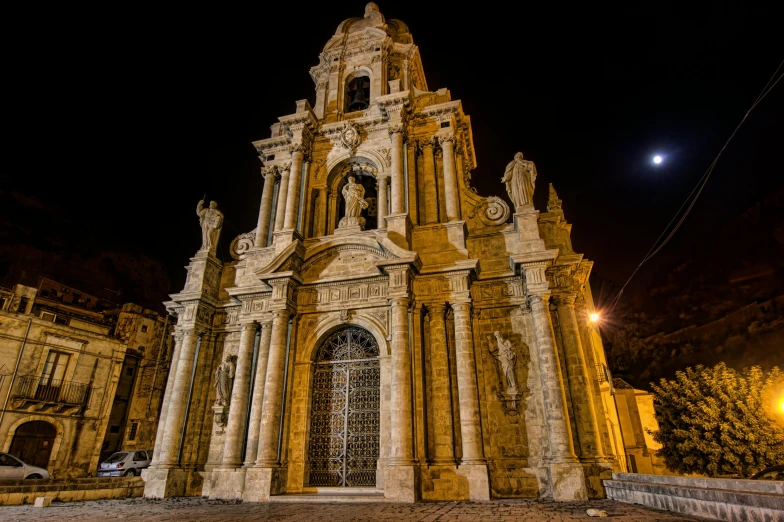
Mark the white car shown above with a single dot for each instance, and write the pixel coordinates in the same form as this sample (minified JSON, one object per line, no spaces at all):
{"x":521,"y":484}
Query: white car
{"x":11,"y":468}
{"x":125,"y":463}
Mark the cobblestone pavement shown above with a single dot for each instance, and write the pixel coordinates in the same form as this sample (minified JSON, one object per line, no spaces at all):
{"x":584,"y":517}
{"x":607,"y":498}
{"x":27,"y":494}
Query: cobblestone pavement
{"x":198,"y":509}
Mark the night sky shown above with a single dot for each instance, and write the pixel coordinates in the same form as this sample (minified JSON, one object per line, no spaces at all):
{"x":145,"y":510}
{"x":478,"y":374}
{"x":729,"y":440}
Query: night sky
{"x":119,"y":122}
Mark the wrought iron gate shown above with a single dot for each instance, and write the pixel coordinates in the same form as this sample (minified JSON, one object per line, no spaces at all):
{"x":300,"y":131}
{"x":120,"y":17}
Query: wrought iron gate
{"x":344,"y":420}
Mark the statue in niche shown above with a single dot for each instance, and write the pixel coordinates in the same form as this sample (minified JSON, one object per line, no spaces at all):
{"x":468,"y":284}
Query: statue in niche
{"x":520,"y":178}
{"x":211,"y":221}
{"x":507,"y":359}
{"x":224,"y":377}
{"x":353,"y":194}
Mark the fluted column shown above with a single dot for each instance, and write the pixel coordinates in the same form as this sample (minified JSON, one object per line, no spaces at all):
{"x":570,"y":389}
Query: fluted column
{"x":413,"y":206}
{"x":238,"y":409}
{"x":381,"y":205}
{"x":295,"y":184}
{"x":175,"y":417}
{"x":402,"y":453}
{"x":254,"y":419}
{"x":272,"y":402}
{"x":579,"y":383}
{"x":450,"y":179}
{"x":470,"y":428}
{"x":280,"y":210}
{"x":561,"y":447}
{"x":398,"y":181}
{"x":322,"y":216}
{"x":441,"y":387}
{"x":265,"y":212}
{"x":164,"y":413}
{"x":431,"y":194}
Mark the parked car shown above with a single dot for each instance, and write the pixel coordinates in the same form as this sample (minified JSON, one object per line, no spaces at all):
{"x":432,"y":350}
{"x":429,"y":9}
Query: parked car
{"x":772,"y":473}
{"x":11,"y":468}
{"x":125,"y":463}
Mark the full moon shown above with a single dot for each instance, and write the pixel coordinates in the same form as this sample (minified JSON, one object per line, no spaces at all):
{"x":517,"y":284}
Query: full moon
{"x":657,"y":159}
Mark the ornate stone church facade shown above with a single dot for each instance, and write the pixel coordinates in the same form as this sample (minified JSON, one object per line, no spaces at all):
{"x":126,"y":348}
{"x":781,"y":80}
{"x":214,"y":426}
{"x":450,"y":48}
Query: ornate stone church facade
{"x":384,"y":326}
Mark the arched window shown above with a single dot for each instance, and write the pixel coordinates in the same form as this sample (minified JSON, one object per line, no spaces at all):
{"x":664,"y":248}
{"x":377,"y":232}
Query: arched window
{"x":358,"y":94}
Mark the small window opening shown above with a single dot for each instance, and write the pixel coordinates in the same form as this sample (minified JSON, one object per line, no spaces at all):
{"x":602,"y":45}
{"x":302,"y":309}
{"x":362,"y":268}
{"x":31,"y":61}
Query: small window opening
{"x":444,"y":124}
{"x":134,"y":429}
{"x":144,"y":328}
{"x":270,"y":158}
{"x":358,"y":94}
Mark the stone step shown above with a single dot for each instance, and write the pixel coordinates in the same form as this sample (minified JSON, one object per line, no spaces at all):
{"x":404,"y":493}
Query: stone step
{"x":350,"y":495}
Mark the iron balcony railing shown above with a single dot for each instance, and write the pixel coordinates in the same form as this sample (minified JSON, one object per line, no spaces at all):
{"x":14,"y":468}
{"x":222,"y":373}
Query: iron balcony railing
{"x":52,"y":391}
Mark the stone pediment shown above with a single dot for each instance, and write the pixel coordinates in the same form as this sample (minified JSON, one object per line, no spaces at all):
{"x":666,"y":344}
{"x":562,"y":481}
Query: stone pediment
{"x":350,"y":257}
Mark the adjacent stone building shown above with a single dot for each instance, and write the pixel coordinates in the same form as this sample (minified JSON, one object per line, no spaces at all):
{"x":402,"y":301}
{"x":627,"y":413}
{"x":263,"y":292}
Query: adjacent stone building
{"x":384,"y":326}
{"x":79,"y":377}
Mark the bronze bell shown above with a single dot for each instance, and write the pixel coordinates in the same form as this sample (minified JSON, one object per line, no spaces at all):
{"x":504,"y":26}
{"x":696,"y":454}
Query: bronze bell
{"x":359,"y":103}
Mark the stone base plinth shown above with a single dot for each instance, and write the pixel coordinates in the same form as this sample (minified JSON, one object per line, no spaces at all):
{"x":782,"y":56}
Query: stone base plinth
{"x":401,"y":484}
{"x":165,"y":483}
{"x":261,"y":483}
{"x":283,"y":238}
{"x":567,"y":481}
{"x":478,"y":481}
{"x":527,"y":227}
{"x":456,"y":232}
{"x":399,"y":230}
{"x":227,"y":484}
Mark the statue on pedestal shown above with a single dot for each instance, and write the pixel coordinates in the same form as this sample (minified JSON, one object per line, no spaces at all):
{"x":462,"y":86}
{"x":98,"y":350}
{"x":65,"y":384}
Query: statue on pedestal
{"x":353,"y":194}
{"x":520,"y":178}
{"x":211,"y":221}
{"x":224,"y":377}
{"x":507,"y":358}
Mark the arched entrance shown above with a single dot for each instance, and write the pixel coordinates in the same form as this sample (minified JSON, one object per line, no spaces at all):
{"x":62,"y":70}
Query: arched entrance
{"x":345,"y":411}
{"x":33,"y":443}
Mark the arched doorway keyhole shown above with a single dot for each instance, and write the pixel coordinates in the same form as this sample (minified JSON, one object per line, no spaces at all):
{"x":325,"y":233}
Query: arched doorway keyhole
{"x":33,"y":443}
{"x":345,"y":416}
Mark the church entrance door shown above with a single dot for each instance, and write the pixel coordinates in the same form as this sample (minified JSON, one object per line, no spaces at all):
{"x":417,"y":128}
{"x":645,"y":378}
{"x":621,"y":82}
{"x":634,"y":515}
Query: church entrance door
{"x":344,"y":420}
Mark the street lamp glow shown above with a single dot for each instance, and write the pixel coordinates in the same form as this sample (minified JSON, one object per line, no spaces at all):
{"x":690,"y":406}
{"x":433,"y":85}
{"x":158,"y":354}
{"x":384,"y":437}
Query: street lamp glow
{"x":657,"y":159}
{"x":595,"y":318}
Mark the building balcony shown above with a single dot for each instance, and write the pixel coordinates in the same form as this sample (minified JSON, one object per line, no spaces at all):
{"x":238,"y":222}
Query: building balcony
{"x":48,"y":395}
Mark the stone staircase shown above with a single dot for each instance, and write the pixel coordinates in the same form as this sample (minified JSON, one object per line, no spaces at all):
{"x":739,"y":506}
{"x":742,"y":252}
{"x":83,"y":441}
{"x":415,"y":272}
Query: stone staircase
{"x":366,"y":494}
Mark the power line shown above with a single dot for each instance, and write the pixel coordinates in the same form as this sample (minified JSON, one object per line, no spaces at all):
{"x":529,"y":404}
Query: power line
{"x":657,"y":246}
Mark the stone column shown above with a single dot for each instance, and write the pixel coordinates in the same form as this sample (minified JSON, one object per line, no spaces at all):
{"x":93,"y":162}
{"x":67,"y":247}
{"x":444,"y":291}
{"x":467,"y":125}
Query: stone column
{"x":168,"y":453}
{"x":451,"y":193}
{"x":579,"y":382}
{"x":441,"y":388}
{"x":401,"y":421}
{"x":272,"y":402}
{"x":254,"y":420}
{"x":280,"y":210}
{"x":265,"y":211}
{"x":431,"y":194}
{"x":167,"y":398}
{"x":561,"y":447}
{"x":238,"y":409}
{"x":295,"y":182}
{"x":413,"y":206}
{"x":322,"y":216}
{"x":381,"y":203}
{"x":470,"y":428}
{"x":398,"y":181}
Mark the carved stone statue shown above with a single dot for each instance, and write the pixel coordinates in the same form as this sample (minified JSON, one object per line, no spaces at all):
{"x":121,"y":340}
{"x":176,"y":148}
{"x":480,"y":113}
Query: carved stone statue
{"x":211,"y":221}
{"x":224,"y":377}
{"x":520,"y":178}
{"x":353,"y":193}
{"x":507,"y":358}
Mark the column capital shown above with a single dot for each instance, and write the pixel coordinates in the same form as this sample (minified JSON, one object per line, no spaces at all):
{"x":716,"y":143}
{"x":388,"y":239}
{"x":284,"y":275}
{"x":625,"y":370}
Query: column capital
{"x":269,"y":172}
{"x":534,"y":299}
{"x":397,"y":129}
{"x":564,"y":299}
{"x":462,"y":305}
{"x":436,"y":307}
{"x":252,"y":325}
{"x":446,"y":139}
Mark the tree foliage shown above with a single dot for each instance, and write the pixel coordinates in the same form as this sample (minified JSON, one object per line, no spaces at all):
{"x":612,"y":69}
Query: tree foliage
{"x":717,"y":421}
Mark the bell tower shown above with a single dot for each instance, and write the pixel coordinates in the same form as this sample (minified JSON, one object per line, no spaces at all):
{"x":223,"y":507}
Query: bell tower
{"x":367,"y":58}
